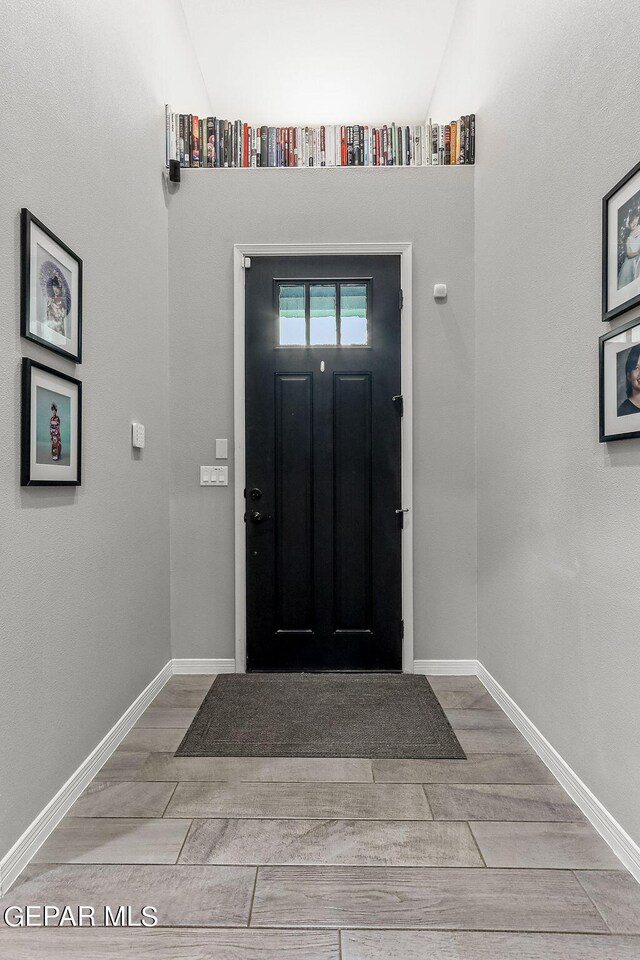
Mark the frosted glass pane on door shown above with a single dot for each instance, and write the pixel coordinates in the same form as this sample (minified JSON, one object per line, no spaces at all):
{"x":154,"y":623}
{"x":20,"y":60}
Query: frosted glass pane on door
{"x":353,"y":315}
{"x":292,"y":323}
{"x":322,"y":308}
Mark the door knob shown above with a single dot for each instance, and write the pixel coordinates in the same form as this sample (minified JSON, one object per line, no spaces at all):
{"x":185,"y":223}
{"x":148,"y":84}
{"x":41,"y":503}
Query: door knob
{"x":256,"y":517}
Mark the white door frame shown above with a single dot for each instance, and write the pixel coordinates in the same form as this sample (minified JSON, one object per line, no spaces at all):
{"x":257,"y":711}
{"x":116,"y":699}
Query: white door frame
{"x":240,"y":251}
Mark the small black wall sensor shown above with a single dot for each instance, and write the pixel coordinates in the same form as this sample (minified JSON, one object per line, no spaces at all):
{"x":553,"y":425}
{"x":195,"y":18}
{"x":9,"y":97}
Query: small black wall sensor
{"x":174,"y":171}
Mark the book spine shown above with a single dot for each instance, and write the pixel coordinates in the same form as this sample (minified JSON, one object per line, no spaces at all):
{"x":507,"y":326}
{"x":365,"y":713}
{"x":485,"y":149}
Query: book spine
{"x":447,"y":144}
{"x":264,"y":146}
{"x":172,"y":137}
{"x":472,"y":138}
{"x":454,"y":141}
{"x":323,"y":146}
{"x":167,"y":131}
{"x":434,"y":143}
{"x":441,"y":144}
{"x":210,"y":141}
{"x":271,"y":147}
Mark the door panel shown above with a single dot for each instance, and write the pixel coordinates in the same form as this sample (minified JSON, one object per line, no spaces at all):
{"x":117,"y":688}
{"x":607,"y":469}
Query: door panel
{"x":323,"y":451}
{"x":352,"y":509}
{"x":294,"y":501}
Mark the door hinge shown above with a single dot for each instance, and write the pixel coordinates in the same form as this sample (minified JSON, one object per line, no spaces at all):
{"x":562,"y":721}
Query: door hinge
{"x":402,"y":629}
{"x":398,"y":400}
{"x":400,"y":512}
{"x":401,"y":299}
{"x":246,"y":263}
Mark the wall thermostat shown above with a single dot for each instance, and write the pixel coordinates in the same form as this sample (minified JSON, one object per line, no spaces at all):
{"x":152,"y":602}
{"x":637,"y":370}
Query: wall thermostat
{"x":439,"y":291}
{"x":137,"y":435}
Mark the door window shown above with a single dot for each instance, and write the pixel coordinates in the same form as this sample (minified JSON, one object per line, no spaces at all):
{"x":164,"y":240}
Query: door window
{"x":323,"y":314}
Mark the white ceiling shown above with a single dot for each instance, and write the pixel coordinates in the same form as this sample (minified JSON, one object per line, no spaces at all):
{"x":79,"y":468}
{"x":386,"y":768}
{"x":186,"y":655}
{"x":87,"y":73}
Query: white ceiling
{"x":292,"y":62}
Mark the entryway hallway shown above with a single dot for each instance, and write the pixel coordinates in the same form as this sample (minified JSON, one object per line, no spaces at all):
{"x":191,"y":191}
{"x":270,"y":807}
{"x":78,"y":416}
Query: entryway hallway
{"x":331,"y":859}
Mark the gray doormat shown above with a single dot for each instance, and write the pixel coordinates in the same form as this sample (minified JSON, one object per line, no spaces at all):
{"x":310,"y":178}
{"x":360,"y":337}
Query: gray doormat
{"x":321,"y":715}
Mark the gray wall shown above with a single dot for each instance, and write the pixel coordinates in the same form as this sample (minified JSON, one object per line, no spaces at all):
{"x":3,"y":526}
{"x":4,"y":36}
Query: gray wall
{"x":84,"y":607}
{"x":210,"y":212}
{"x":559,"y":604}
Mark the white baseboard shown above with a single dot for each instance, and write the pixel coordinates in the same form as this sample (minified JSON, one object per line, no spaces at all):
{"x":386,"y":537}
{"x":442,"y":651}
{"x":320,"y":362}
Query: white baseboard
{"x":626,"y":849}
{"x":204,"y":666}
{"x":14,"y":862}
{"x":443,"y":668}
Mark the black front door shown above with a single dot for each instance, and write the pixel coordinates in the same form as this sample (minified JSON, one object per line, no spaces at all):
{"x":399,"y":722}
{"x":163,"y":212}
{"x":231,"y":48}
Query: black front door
{"x":323,"y":478}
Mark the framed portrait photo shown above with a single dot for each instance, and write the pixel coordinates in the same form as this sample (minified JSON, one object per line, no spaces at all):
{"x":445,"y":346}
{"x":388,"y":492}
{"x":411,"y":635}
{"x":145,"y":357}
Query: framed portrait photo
{"x":51,"y":444}
{"x":51,"y":290}
{"x":620,"y":383}
{"x":621,"y":246}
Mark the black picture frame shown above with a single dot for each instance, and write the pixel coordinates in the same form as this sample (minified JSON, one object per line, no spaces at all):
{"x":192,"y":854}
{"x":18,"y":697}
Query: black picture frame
{"x":32,"y":325}
{"x":622,"y":346}
{"x":609,"y":311}
{"x":40,"y":473}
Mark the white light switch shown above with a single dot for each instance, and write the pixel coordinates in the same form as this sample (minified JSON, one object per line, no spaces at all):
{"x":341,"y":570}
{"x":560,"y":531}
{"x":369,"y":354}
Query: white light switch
{"x":221,"y":476}
{"x":222,"y":447}
{"x":137,"y":435}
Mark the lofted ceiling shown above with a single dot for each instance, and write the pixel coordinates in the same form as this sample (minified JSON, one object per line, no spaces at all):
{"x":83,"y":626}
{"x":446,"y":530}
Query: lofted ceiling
{"x":293,"y":62}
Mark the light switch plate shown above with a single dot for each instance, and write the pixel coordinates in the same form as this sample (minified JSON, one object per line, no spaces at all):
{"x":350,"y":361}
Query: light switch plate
{"x":137,"y":435}
{"x":214,"y":476}
{"x":222,"y":448}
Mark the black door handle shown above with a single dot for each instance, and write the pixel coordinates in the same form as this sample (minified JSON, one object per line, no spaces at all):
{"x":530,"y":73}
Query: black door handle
{"x":256,"y":517}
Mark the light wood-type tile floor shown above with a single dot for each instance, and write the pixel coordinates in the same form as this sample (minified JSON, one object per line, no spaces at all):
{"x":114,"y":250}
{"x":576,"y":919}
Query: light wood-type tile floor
{"x":346,"y":859}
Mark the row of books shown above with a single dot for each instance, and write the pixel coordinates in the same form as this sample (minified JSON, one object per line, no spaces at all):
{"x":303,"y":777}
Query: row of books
{"x":211,"y":142}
